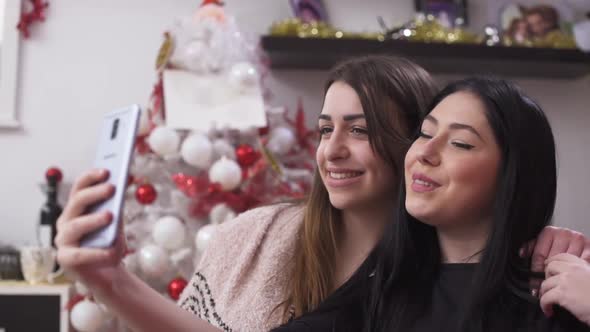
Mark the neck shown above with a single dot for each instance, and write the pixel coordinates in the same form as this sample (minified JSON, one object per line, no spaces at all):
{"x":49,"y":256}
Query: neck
{"x":463,"y":243}
{"x":360,"y":232}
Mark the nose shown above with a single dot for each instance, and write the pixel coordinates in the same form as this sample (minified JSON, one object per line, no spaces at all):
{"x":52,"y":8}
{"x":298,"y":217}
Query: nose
{"x":428,"y":153}
{"x":336,"y":147}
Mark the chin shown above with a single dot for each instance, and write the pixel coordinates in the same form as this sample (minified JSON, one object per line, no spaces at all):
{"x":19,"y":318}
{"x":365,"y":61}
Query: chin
{"x":342,"y":202}
{"x":422,"y":215}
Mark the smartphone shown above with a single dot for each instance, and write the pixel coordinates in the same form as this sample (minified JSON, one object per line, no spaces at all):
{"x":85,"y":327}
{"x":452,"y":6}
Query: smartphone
{"x":114,"y":153}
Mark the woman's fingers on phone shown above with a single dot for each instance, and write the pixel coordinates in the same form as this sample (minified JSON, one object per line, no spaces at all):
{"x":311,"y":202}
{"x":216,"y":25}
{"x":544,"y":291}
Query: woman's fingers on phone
{"x":71,"y":257}
{"x":88,"y":179}
{"x":84,"y":198}
{"x":72,"y":231}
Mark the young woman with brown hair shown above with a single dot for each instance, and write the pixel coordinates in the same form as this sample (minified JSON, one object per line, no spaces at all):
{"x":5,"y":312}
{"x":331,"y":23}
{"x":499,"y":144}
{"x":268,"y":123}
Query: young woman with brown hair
{"x":279,"y":262}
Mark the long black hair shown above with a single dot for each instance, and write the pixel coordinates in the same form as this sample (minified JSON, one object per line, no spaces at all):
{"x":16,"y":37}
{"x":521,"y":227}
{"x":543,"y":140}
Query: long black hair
{"x":408,"y":258}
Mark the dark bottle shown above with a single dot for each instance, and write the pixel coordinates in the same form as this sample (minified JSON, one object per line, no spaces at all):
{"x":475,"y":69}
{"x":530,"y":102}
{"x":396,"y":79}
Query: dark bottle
{"x":51,"y":210}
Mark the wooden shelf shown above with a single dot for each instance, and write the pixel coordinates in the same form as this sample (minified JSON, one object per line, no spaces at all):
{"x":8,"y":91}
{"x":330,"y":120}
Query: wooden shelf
{"x":321,"y":54}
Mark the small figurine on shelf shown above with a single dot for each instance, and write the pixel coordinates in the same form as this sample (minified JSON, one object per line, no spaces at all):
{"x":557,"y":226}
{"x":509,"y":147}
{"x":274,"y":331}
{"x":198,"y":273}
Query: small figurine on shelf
{"x":51,"y":209}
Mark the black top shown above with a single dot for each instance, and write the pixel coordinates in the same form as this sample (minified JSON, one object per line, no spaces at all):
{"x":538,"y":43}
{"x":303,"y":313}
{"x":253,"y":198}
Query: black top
{"x":448,"y":304}
{"x":343,"y":310}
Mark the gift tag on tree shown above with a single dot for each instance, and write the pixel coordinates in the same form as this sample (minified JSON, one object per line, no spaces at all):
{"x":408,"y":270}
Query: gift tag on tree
{"x":231,"y":98}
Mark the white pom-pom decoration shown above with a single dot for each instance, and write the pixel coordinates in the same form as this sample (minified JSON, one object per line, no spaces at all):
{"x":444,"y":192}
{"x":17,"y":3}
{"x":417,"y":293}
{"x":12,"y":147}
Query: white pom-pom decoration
{"x":87,"y":316}
{"x":197,"y":151}
{"x":221,"y":148}
{"x":203,"y":236}
{"x":227,"y":173}
{"x":242,"y":76}
{"x":281,"y":140}
{"x":164,"y":141}
{"x":154,"y":261}
{"x":144,"y":124}
{"x":220,"y":213}
{"x":169,"y":233}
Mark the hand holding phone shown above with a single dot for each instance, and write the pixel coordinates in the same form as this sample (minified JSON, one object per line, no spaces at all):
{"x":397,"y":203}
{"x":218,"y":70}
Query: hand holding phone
{"x":114,"y":153}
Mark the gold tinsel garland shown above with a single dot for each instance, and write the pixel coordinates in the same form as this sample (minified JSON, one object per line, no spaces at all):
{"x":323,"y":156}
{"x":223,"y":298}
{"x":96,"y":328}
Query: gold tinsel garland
{"x":422,"y":29}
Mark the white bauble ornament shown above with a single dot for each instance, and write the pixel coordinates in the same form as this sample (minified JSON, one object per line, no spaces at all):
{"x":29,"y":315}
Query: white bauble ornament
{"x":154,"y":261}
{"x":220,"y":213}
{"x":169,"y":233}
{"x":131,"y":262}
{"x":227,"y":173}
{"x":197,"y":151}
{"x":164,"y":141}
{"x":242,"y":76}
{"x":221,"y":148}
{"x":144,"y":124}
{"x":281,"y":140}
{"x":203,"y":236}
{"x":87,"y":316}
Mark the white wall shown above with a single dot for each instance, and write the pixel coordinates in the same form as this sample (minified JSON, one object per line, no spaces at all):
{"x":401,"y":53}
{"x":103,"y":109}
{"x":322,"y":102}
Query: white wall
{"x":91,"y":56}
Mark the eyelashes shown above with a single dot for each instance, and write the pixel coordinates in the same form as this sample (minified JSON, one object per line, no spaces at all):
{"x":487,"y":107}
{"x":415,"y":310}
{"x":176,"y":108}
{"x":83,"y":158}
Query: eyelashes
{"x":460,"y":145}
{"x":356,"y":131}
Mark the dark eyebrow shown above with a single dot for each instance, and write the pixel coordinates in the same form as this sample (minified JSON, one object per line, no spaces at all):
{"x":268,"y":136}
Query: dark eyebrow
{"x":349,"y":117}
{"x":456,"y":126}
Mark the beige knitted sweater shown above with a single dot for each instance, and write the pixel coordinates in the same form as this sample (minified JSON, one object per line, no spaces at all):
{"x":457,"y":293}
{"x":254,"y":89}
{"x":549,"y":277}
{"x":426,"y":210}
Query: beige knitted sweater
{"x":242,"y":275}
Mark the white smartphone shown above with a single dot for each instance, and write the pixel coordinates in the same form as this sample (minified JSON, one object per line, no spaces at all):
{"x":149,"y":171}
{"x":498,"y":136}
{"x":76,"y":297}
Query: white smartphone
{"x":115,"y":149}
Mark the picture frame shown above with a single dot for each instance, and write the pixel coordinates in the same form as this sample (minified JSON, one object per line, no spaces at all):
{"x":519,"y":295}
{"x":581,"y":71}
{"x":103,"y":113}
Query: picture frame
{"x":309,"y":10}
{"x":522,"y":20}
{"x":9,"y":53}
{"x":449,"y":13}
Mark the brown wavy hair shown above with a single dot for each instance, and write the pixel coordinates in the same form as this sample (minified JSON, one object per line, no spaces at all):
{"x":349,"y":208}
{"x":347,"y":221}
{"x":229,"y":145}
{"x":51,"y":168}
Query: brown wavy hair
{"x":394,"y":93}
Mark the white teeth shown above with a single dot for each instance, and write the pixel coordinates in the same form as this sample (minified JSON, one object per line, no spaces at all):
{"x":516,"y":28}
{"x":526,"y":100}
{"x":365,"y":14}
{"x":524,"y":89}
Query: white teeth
{"x":346,"y":175}
{"x":423,"y":183}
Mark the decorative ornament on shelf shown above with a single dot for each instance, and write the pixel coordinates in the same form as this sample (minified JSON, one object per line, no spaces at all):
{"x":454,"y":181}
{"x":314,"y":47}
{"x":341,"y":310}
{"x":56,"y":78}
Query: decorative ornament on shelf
{"x":492,"y":35}
{"x":35,"y":14}
{"x":295,"y":27}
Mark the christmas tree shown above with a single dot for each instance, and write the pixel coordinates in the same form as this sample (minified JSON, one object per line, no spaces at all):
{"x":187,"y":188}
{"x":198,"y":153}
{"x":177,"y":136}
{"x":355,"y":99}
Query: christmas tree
{"x":208,"y":148}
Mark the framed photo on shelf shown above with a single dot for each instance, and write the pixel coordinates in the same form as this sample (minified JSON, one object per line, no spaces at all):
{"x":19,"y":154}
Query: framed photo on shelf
{"x":527,"y":19}
{"x":449,"y":13}
{"x":309,"y":10}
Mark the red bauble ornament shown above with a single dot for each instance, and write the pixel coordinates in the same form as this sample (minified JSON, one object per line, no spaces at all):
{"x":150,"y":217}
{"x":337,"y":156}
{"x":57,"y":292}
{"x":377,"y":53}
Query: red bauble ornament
{"x":175,"y":287}
{"x":212,"y":2}
{"x":146,"y":194}
{"x":53,"y":174}
{"x":246,"y":155}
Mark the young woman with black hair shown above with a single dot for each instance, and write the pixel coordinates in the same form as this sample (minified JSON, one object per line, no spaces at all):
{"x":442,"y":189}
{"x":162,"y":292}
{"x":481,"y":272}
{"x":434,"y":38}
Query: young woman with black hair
{"x":480,"y":180}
